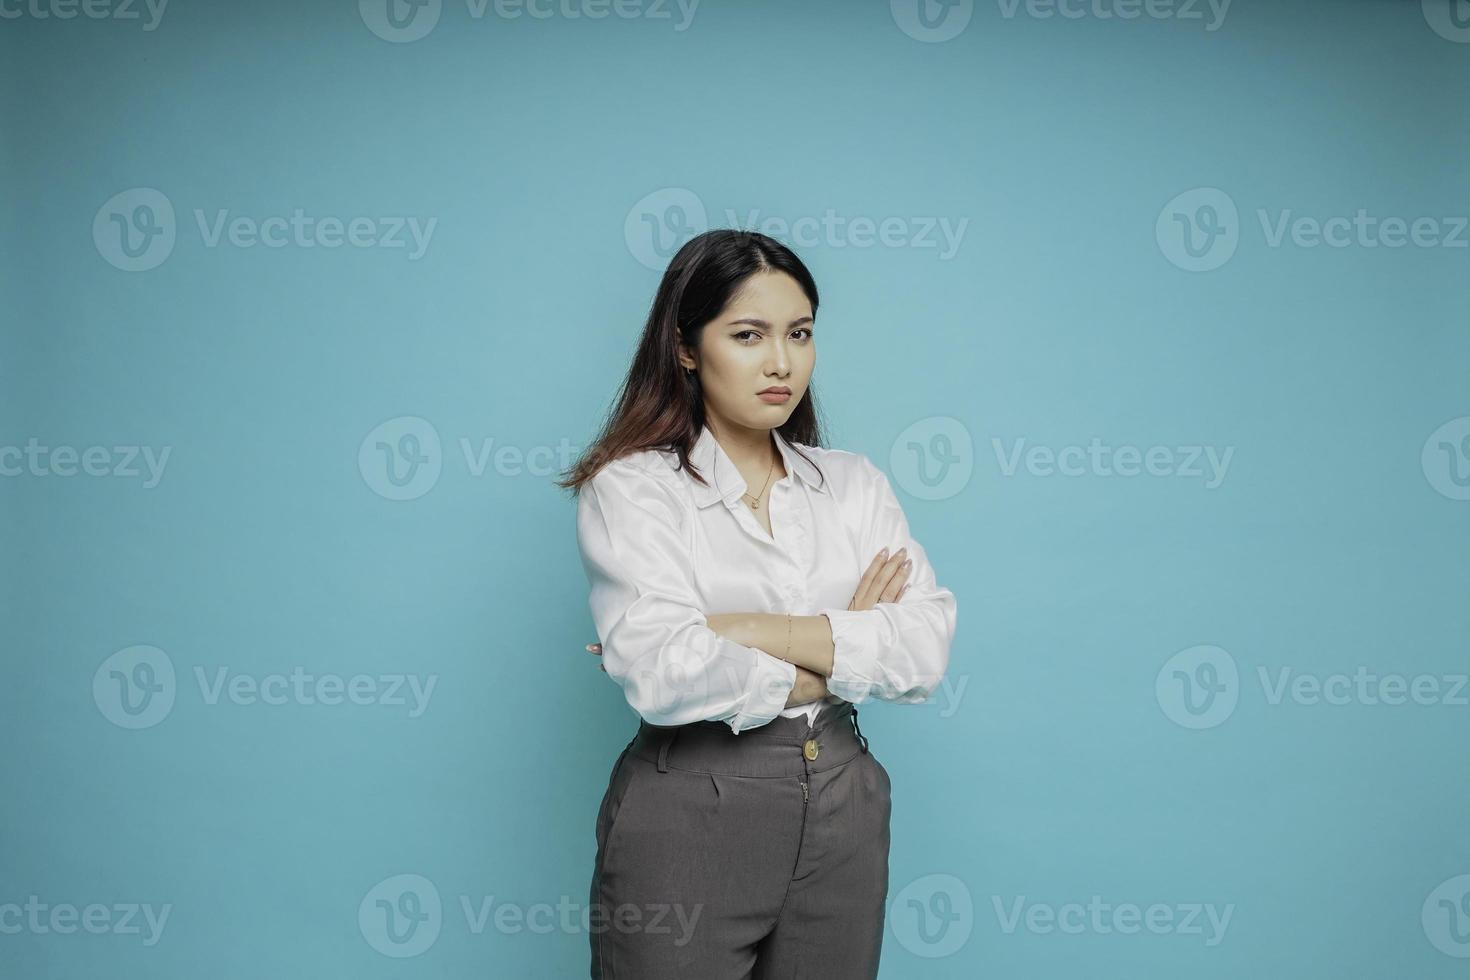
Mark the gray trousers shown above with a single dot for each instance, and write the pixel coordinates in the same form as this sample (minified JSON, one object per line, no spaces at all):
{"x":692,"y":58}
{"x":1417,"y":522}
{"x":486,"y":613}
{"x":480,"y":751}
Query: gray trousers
{"x":757,"y":856}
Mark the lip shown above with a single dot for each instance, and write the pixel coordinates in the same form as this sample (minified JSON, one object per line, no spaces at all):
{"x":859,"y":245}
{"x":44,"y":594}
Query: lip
{"x":774,"y":396}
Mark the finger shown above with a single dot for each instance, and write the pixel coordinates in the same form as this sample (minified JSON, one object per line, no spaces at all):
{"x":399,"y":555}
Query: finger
{"x":594,"y":648}
{"x":872,"y":571}
{"x":899,"y":582}
{"x":887,"y":572}
{"x":872,"y":581}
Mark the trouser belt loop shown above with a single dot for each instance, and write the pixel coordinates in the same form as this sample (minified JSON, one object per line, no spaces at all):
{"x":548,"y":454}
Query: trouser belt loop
{"x":862,"y":739}
{"x":663,"y":749}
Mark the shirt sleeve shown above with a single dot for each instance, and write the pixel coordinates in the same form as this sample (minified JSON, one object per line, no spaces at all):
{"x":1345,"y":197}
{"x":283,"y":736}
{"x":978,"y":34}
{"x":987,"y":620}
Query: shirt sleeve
{"x":896,"y":651}
{"x":656,"y":640}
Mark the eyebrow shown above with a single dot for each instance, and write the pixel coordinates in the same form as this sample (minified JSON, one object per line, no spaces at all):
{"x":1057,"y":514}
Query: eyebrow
{"x":753,"y":321}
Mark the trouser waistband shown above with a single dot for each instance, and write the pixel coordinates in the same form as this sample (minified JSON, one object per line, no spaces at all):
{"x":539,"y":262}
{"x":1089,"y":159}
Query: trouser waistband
{"x":783,"y":747}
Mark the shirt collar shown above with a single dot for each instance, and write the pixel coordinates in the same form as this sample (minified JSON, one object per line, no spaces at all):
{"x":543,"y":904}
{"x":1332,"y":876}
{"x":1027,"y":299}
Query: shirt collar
{"x":725,"y":481}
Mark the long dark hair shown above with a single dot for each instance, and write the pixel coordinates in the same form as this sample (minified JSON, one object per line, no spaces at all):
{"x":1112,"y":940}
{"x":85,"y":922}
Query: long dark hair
{"x":660,"y":405}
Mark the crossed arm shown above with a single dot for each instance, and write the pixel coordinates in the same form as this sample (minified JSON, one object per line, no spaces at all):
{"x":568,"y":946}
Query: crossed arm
{"x":676,"y":666}
{"x":810,"y":644}
{"x":806,"y":642}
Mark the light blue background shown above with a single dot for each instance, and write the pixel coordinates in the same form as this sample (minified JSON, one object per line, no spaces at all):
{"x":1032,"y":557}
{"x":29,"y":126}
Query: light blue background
{"x":1056,"y":774}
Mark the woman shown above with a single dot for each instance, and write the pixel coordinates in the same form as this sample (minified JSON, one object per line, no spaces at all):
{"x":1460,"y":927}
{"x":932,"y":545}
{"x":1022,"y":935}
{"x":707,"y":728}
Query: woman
{"x":746,"y":600}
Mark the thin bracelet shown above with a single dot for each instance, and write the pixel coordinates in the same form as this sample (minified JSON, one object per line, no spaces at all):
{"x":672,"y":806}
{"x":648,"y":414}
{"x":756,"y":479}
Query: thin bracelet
{"x":788,"y":637}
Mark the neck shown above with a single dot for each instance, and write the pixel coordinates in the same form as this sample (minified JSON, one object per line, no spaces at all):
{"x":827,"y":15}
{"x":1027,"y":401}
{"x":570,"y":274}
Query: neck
{"x":748,"y":449}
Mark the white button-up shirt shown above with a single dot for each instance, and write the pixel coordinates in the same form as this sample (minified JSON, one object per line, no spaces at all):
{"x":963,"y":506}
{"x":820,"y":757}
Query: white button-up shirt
{"x":662,"y":553}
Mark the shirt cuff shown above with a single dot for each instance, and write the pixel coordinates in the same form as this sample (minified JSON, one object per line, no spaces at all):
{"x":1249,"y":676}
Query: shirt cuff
{"x":854,"y":654}
{"x":771,"y":681}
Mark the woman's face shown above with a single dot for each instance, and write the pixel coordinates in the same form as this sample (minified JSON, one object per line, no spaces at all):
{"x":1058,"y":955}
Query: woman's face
{"x":763,"y":338}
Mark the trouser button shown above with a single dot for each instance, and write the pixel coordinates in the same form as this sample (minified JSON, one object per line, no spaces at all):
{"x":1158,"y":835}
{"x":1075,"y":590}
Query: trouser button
{"x":810,"y":749}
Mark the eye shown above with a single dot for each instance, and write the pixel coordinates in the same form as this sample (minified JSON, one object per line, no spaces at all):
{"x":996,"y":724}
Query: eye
{"x":757,"y":335}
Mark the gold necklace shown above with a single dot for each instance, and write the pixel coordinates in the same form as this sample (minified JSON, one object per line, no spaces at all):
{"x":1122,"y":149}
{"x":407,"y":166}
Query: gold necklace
{"x":755,"y":501}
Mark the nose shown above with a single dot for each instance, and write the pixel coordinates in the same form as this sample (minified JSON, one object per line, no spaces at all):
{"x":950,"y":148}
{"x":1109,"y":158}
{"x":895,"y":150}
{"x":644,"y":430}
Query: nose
{"x":780,"y":362}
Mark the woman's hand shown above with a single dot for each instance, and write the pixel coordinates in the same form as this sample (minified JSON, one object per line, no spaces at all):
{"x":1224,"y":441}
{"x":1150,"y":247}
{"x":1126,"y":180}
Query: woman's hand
{"x":885,"y":580}
{"x":810,"y":686}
